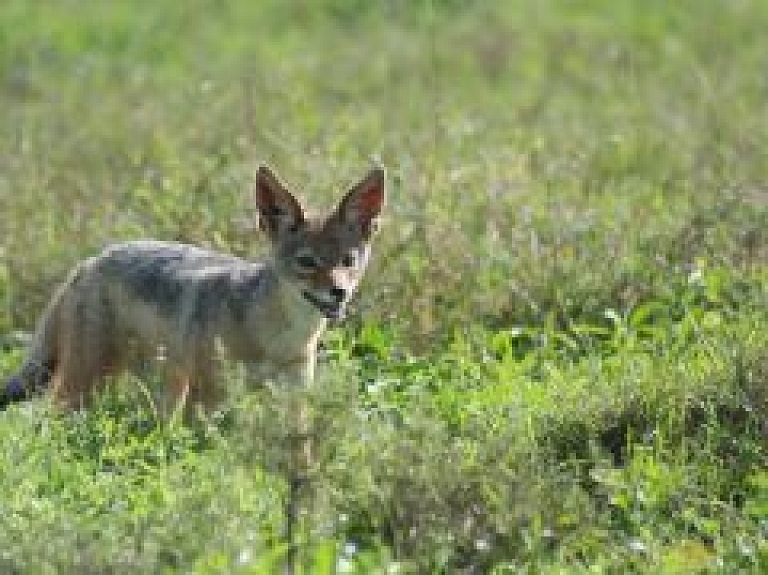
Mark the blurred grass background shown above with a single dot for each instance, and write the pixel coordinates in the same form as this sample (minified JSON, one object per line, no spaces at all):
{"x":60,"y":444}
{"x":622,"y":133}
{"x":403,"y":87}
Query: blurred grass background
{"x":567,"y":300}
{"x":554,"y":155}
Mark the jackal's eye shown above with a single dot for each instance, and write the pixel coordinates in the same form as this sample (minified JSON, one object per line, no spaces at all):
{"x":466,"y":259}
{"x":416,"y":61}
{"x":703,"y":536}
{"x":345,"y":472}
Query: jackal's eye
{"x":349,"y":260}
{"x":307,"y":261}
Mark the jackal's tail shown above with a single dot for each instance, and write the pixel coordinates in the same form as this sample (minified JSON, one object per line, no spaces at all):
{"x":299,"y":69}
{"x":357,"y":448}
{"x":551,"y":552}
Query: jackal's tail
{"x":37,"y":370}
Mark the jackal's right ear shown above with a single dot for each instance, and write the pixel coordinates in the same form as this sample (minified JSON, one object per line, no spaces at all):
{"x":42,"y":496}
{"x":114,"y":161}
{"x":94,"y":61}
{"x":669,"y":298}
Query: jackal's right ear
{"x":279,"y":211}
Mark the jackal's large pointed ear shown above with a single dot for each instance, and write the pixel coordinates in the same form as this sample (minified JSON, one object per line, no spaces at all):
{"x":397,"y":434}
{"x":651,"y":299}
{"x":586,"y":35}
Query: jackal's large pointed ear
{"x":279,"y":211}
{"x":362,"y":205}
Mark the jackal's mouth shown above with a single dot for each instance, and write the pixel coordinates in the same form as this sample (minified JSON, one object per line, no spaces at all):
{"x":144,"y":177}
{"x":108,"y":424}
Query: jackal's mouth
{"x":333,"y":311}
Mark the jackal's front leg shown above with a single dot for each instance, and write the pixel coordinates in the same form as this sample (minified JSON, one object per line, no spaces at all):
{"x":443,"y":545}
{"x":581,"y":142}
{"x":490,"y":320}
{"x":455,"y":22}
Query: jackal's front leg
{"x":298,"y":377}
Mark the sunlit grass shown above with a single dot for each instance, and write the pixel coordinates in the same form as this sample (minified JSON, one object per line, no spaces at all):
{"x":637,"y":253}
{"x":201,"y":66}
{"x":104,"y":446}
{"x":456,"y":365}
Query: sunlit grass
{"x":556,"y":362}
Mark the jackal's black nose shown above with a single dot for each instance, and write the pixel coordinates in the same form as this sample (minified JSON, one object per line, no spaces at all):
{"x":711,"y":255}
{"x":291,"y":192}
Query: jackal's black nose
{"x":338,"y":294}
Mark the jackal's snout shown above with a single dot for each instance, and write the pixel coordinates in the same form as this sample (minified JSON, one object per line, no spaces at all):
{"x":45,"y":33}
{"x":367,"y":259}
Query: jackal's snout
{"x":330,"y":299}
{"x":331,"y":303}
{"x":338,"y":294}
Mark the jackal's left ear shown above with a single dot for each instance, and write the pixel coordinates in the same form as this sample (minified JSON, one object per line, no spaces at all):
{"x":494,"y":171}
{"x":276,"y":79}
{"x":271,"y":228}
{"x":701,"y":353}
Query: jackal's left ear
{"x":363,"y":204}
{"x":279,"y":210}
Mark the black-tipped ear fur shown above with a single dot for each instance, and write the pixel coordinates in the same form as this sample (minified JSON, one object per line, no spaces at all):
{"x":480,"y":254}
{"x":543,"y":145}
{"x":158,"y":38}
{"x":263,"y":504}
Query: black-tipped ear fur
{"x":279,"y":210}
{"x":364,"y":202}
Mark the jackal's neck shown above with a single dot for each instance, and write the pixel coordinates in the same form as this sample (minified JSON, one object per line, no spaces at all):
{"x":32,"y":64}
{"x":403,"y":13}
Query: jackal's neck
{"x":286,"y":310}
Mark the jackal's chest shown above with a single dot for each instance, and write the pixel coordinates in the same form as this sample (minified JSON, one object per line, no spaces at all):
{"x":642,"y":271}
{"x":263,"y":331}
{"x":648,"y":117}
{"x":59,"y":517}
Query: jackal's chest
{"x":279,"y":342}
{"x":279,"y":357}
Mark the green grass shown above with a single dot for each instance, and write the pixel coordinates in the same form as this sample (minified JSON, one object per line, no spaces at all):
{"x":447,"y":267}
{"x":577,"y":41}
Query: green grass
{"x":557,"y":362}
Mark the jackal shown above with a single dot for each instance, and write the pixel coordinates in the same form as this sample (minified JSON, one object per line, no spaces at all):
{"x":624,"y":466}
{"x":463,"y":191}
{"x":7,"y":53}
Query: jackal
{"x":143,"y":300}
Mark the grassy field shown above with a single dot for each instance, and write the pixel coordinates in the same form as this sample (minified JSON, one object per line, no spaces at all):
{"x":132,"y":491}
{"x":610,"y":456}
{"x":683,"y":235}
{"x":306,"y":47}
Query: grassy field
{"x":558,"y":361}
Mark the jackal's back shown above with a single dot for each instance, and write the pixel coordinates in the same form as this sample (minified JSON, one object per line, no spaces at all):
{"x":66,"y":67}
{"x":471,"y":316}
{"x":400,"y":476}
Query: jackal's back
{"x":178,"y":279}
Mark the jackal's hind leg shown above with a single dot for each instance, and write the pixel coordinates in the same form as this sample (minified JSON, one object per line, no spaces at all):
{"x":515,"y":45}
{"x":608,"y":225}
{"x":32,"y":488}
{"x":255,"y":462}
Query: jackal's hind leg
{"x":87,"y":354}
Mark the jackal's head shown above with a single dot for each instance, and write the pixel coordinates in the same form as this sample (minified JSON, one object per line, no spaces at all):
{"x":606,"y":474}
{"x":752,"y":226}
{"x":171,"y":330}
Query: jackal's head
{"x":322,"y":258}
